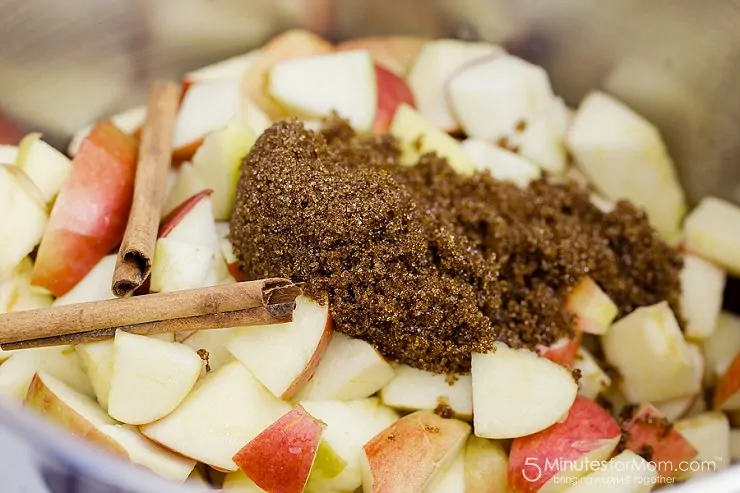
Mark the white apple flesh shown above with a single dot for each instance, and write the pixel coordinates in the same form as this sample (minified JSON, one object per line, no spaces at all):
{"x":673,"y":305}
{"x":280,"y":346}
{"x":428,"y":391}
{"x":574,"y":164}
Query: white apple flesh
{"x":625,"y":473}
{"x":702,"y":287}
{"x":45,"y":166}
{"x":721,"y":346}
{"x":593,"y":309}
{"x":594,"y":379}
{"x":710,"y":231}
{"x":500,"y":163}
{"x":486,"y":466}
{"x":177,"y":265}
{"x":679,"y":407}
{"x":709,"y":433}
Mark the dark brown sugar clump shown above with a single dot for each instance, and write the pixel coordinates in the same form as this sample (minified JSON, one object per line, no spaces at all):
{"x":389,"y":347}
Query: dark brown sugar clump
{"x":427,"y":265}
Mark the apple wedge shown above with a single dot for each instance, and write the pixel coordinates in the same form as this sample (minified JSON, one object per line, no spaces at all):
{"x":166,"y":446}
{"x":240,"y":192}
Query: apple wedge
{"x":392,"y":91}
{"x":412,"y":389}
{"x":213,"y":342}
{"x":187,"y":183}
{"x":679,"y":407}
{"x":95,"y":286}
{"x":709,"y":433}
{"x":554,"y":458}
{"x":649,"y":350}
{"x":218,"y":161}
{"x":540,"y":139}
{"x":284,"y":454}
{"x":150,"y":378}
{"x":17,"y":294}
{"x":8,"y":153}
{"x":417,"y":137}
{"x":295,"y":43}
{"x":350,"y":424}
{"x":177,"y":265}
{"x":493,"y":96}
{"x":96,"y":358}
{"x":594,"y":380}
{"x":452,"y":479}
{"x":702,"y":287}
{"x":232,"y":68}
{"x":284,"y":357}
{"x":624,"y":157}
{"x":436,"y":62}
{"x":625,"y":473}
{"x":22,"y":224}
{"x":500,"y":163}
{"x":238,"y":482}
{"x":535,"y":394}
{"x":709,"y":231}
{"x":649,"y":434}
{"x":727,"y":393}
{"x":563,"y":351}
{"x":394,"y":53}
{"x":412,"y":453}
{"x":721,"y":346}
{"x":486,"y":466}
{"x":344,"y":82}
{"x":128,"y":122}
{"x":91,"y":211}
{"x":207,"y":106}
{"x":61,"y":362}
{"x":44,"y":165}
{"x":225,"y":410}
{"x":350,"y":369}
{"x":592,"y":308}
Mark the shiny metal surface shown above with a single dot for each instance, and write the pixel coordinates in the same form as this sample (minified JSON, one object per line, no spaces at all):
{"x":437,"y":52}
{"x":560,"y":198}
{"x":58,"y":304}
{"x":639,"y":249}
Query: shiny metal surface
{"x":66,"y":62}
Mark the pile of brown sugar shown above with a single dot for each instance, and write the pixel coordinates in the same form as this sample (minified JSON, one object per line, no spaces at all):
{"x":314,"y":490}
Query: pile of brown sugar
{"x":427,"y":265}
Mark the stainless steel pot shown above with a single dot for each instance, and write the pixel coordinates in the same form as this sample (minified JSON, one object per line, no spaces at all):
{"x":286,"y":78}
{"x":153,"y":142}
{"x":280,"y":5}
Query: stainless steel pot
{"x":66,"y":62}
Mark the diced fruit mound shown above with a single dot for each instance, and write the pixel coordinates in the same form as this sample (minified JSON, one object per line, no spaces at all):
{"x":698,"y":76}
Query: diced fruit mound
{"x":466,"y":345}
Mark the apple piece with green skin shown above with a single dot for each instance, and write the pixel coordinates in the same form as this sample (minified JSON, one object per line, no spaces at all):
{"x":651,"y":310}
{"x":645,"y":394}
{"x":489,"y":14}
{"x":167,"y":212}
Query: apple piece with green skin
{"x":350,"y":424}
{"x":150,"y":377}
{"x":45,"y":166}
{"x":394,"y":53}
{"x":721,"y":347}
{"x":412,"y":453}
{"x":452,"y":479}
{"x":709,"y":433}
{"x":500,"y":163}
{"x":494,"y":96}
{"x":486,"y":466}
{"x":61,"y":362}
{"x":592,"y":308}
{"x":709,"y":232}
{"x":350,"y":369}
{"x":613,"y":145}
{"x":417,"y":137}
{"x":284,"y":357}
{"x":594,"y":379}
{"x":648,"y":349}
{"x":563,"y":351}
{"x":392,"y":91}
{"x":727,"y":393}
{"x":649,"y":430}
{"x":295,"y":43}
{"x":436,"y":62}
{"x":625,"y":473}
{"x":537,"y":393}
{"x":283,"y":455}
{"x":412,"y":389}
{"x":344,"y":82}
{"x":218,"y":161}
{"x":210,"y":425}
{"x":702,"y":287}
{"x":23,"y":222}
{"x":90,"y":212}
{"x":187,"y":183}
{"x":238,"y":482}
{"x":588,"y":434}
{"x":679,"y":407}
{"x":128,"y":122}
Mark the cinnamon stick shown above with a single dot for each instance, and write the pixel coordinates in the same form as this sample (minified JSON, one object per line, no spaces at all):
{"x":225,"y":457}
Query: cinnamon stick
{"x":238,"y":318}
{"x":155,"y":153}
{"x":275,"y":296}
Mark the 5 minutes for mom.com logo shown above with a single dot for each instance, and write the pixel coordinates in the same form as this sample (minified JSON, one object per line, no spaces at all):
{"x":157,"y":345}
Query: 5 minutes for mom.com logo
{"x":632,"y":471}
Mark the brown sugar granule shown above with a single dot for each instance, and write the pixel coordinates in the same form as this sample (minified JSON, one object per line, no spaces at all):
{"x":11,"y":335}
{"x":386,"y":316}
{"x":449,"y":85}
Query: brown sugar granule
{"x":427,"y":265}
{"x":443,"y":409}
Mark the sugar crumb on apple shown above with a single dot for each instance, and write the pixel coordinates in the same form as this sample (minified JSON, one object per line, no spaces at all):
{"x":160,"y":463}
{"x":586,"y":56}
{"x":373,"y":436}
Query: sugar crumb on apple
{"x":206,"y":357}
{"x":443,"y":409}
{"x":577,"y":374}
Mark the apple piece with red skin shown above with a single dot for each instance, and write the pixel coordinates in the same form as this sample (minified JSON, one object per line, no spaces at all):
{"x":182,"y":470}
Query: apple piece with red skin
{"x":393,"y":53}
{"x":592,"y":308}
{"x":727,"y":393}
{"x":412,"y":453}
{"x":563,"y":351}
{"x":587,"y":434}
{"x":172,"y":219}
{"x":282,"y":457}
{"x":392,"y":91}
{"x":91,"y":211}
{"x":649,"y":430}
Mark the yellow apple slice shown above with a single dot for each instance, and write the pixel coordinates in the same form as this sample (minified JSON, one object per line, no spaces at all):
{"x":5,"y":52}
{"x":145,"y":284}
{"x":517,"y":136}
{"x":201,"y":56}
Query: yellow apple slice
{"x":413,"y":389}
{"x":412,"y":453}
{"x":486,"y":466}
{"x":681,"y":406}
{"x":350,"y":369}
{"x":225,"y":410}
{"x":284,"y":357}
{"x":702,"y":287}
{"x":45,"y":166}
{"x":535,"y":394}
{"x":150,"y":377}
{"x":710,"y":231}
